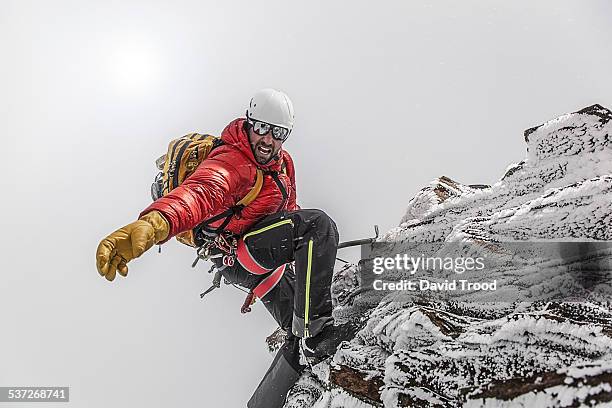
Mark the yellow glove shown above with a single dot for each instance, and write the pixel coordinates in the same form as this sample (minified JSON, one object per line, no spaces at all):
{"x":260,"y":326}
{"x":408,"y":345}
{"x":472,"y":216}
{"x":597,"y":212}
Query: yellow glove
{"x":129,"y":242}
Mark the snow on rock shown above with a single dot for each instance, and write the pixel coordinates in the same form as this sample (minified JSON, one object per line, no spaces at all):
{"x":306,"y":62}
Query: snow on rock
{"x":526,"y":345}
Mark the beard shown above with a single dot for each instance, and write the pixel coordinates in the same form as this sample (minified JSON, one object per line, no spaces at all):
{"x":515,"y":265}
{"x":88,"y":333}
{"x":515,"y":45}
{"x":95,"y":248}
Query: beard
{"x":263,"y":152}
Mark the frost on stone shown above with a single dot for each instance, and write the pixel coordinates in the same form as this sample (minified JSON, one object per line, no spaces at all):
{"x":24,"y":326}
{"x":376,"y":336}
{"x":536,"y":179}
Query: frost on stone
{"x":454,"y":352}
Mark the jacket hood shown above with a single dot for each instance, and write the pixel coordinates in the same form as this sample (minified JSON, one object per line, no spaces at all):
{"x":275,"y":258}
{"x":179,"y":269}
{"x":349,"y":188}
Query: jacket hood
{"x":234,"y":134}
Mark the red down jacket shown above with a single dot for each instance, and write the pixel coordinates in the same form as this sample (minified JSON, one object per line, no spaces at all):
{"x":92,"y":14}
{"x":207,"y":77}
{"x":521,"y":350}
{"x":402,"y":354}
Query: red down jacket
{"x":223,"y":179}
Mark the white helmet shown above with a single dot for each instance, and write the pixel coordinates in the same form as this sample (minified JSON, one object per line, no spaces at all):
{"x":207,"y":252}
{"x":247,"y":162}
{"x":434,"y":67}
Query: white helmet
{"x":271,"y":106}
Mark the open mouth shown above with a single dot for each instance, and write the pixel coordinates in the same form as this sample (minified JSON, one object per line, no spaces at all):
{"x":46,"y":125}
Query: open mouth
{"x":264,"y":150}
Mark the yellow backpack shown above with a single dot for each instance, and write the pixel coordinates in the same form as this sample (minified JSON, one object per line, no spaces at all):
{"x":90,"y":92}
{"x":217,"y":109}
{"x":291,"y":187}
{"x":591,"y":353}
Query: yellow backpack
{"x":183,"y":157}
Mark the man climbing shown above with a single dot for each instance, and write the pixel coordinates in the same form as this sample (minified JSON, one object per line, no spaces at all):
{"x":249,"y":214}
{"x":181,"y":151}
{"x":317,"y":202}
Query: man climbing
{"x":264,"y":237}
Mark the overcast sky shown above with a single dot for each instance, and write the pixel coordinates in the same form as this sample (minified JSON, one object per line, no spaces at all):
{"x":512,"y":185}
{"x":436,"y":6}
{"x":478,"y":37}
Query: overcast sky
{"x":387,"y":98}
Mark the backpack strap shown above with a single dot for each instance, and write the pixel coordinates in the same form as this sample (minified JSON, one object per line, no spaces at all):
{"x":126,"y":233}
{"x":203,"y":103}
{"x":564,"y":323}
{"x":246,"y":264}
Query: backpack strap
{"x":251,"y":195}
{"x":284,"y":167}
{"x":281,"y":187}
{"x":204,"y":227}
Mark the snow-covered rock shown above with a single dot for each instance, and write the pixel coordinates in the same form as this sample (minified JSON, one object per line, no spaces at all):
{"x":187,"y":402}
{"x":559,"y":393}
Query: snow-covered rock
{"x":530,"y":344}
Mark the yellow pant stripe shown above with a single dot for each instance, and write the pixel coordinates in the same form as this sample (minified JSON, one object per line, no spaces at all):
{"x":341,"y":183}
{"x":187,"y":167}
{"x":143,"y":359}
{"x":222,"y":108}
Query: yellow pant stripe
{"x":307,"y":306}
{"x":269,"y":227}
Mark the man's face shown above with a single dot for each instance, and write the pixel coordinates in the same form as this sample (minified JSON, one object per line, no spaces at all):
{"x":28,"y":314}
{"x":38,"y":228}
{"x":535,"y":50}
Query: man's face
{"x":264,"y":147}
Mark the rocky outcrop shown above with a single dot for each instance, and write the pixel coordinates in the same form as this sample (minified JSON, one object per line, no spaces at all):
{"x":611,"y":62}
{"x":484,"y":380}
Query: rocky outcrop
{"x":543,"y":338}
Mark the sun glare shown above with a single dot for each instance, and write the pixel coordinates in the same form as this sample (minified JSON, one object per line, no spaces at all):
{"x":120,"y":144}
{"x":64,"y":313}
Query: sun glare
{"x":134,"y":68}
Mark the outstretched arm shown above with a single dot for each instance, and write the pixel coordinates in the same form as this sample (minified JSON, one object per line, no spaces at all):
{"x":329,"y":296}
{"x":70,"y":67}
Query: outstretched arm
{"x":200,"y":196}
{"x":203,"y":194}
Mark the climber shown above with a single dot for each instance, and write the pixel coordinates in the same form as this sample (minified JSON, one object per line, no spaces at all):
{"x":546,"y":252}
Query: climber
{"x":269,"y":235}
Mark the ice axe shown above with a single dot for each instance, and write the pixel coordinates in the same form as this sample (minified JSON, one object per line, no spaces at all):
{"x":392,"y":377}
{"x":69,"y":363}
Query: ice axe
{"x":363,"y":241}
{"x":355,"y":242}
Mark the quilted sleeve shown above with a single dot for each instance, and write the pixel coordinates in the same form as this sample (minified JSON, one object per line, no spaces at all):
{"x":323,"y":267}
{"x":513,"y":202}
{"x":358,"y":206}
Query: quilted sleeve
{"x":212,"y":188}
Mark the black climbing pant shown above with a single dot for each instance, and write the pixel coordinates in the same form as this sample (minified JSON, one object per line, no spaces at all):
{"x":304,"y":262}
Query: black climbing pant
{"x":299,"y":299}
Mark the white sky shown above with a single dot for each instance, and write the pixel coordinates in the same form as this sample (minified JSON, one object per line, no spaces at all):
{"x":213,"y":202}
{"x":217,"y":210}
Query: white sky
{"x":387,"y":98}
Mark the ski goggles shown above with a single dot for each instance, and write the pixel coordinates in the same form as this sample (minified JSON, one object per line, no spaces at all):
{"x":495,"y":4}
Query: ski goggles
{"x":263,"y":128}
